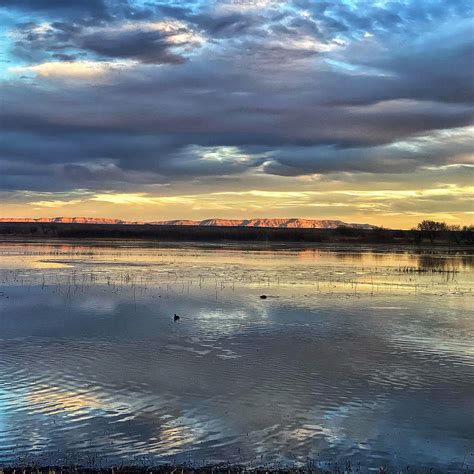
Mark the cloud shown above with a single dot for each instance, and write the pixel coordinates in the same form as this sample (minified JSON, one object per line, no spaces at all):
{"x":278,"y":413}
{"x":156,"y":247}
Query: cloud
{"x":123,"y":198}
{"x":124,"y":96}
{"x":148,"y":42}
{"x":72,"y":69}
{"x":151,"y":42}
{"x":94,"y":8}
{"x":429,"y":150}
{"x":55,"y":203}
{"x":443,"y":202}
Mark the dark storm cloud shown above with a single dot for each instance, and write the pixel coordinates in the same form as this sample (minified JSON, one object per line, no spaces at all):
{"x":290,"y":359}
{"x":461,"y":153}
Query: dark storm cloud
{"x":226,"y":25}
{"x":96,"y":9}
{"x":293,"y":94}
{"x":81,"y":11}
{"x":155,"y":139}
{"x":402,"y":158}
{"x":139,"y":42}
{"x":33,"y":44}
{"x":38,"y":5}
{"x":146,"y":46}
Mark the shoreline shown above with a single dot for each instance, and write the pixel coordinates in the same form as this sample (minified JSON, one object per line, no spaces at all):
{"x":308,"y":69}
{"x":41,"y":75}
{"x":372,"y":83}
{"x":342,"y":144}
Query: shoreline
{"x":170,"y":233}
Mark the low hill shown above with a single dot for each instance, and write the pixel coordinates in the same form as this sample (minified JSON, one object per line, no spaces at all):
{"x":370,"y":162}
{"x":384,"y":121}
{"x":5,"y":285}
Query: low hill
{"x":293,"y":223}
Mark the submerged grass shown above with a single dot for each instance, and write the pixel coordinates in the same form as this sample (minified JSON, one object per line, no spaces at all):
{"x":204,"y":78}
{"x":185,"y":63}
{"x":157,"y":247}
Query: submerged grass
{"x":309,"y":468}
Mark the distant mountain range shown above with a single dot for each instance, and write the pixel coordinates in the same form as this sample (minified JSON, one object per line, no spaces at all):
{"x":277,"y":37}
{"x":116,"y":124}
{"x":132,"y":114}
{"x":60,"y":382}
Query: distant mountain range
{"x":280,"y":223}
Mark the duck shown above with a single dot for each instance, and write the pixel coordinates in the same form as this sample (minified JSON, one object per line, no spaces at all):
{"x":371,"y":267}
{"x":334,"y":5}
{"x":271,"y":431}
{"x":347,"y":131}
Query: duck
{"x":176,"y":317}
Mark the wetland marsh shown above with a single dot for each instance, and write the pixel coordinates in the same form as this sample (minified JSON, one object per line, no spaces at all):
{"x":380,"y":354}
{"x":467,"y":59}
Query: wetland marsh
{"x":357,"y":354}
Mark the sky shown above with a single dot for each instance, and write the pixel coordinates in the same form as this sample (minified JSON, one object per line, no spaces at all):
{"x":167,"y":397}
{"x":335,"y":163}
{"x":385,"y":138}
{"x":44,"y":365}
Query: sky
{"x":147,"y":110}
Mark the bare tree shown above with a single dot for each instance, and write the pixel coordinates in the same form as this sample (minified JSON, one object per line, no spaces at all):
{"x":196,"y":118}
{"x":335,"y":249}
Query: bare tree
{"x":432,"y":226}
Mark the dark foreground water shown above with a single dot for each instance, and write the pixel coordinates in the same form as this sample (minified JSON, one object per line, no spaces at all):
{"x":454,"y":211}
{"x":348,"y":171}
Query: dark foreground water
{"x":356,"y":355}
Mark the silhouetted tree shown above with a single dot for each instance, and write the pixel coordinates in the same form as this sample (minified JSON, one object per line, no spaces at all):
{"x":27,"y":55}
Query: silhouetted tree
{"x":432,"y":226}
{"x":431,"y":229}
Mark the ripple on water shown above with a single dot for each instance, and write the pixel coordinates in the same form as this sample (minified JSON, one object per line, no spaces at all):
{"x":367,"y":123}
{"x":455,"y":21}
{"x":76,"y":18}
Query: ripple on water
{"x":325,"y":369}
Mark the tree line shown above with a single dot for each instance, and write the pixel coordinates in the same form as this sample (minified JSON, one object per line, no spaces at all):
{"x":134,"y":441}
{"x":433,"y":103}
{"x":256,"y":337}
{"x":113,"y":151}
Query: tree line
{"x":434,"y":226}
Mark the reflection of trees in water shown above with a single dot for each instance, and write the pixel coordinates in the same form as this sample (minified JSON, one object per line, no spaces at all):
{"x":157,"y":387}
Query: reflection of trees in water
{"x":350,"y":257}
{"x":454,"y":262}
{"x":417,"y":260}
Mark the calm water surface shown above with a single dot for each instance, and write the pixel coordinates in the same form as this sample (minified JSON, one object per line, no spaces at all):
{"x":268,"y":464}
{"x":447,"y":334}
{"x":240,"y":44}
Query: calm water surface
{"x":357,"y":355}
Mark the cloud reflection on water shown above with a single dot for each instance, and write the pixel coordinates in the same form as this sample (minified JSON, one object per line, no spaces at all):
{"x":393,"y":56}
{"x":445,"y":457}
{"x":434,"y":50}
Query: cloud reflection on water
{"x":383,"y":378}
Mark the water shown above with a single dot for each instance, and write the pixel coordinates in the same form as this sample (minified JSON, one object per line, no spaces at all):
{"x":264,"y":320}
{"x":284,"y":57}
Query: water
{"x":357,"y":355}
